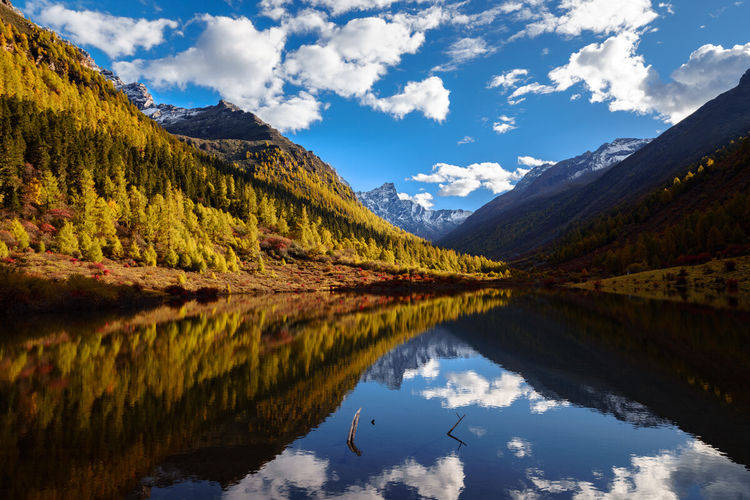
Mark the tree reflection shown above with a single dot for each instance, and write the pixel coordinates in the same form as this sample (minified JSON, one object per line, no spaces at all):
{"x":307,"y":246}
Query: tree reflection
{"x":86,"y":412}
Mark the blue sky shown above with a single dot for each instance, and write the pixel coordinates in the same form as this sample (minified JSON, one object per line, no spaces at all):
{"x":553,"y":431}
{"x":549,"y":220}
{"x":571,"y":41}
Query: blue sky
{"x":439,"y":97}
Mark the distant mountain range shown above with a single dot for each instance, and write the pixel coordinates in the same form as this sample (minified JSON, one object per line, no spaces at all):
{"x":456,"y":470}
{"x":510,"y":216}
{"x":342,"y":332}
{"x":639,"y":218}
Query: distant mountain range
{"x":409,"y":215}
{"x":518,"y":224}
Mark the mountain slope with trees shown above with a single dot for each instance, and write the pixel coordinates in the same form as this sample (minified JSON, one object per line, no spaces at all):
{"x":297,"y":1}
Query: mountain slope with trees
{"x":87,"y":174}
{"x":703,"y":213}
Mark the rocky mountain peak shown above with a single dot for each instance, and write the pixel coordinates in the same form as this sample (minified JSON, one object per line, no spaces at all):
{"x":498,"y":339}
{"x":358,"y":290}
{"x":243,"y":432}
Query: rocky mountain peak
{"x":228,"y":105}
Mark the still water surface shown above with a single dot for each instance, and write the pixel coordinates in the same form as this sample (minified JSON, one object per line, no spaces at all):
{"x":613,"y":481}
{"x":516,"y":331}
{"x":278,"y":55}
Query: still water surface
{"x":543,"y":395}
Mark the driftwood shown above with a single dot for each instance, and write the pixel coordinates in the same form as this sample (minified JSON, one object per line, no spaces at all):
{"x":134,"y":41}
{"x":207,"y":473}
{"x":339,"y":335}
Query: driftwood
{"x":353,"y":434}
{"x":450,"y":432}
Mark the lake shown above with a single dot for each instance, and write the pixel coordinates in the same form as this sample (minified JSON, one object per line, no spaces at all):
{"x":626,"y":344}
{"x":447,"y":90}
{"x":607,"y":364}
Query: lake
{"x":487,"y":394}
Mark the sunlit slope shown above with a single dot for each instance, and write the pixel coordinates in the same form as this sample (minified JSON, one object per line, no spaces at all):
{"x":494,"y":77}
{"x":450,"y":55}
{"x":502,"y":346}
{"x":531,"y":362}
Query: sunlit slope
{"x":79,"y":152}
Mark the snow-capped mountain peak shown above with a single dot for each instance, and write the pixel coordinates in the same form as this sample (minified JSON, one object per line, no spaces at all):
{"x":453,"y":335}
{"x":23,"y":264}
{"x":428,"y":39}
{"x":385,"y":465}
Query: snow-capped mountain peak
{"x":409,"y":215}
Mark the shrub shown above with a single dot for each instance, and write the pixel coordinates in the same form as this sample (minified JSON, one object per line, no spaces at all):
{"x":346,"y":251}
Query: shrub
{"x":4,"y":252}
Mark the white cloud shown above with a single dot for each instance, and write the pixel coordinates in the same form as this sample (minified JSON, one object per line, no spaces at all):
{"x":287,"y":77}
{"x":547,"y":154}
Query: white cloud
{"x":113,"y":35}
{"x":220,"y":60}
{"x":343,"y":6}
{"x":531,"y":88}
{"x":504,"y":124}
{"x":461,"y":181}
{"x":530,"y":161}
{"x":709,"y":71}
{"x":428,"y":96}
{"x":509,"y":78}
{"x":424,"y":199}
{"x":275,"y":9}
{"x":466,"y":140}
{"x":519,"y":447}
{"x":291,"y":113}
{"x":596,"y":16}
{"x":464,"y":50}
{"x":307,"y":21}
{"x":613,"y":72}
{"x":351,"y":58}
{"x":346,"y":59}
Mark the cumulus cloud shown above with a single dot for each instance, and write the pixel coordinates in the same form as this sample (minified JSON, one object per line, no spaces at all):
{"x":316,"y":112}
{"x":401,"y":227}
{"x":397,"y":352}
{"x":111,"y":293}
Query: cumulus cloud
{"x":220,"y":60}
{"x":504,"y":124}
{"x":113,"y":35}
{"x":428,"y":96}
{"x":461,"y":181}
{"x":351,"y":58}
{"x":424,"y":199}
{"x":614,"y":73}
{"x":530,"y":161}
{"x":466,"y":140}
{"x":346,"y":59}
{"x":595,"y":16}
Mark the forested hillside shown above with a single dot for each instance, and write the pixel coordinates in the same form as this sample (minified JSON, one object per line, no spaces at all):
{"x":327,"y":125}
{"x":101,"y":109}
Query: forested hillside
{"x":85,"y":173}
{"x":526,"y":229}
{"x":703,"y":213}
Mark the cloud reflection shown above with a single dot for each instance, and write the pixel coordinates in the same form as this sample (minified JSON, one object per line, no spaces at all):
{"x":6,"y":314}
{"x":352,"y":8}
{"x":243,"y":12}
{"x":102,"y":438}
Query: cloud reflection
{"x":431,"y":369}
{"x":469,"y":388}
{"x":667,"y":475}
{"x":301,"y":471}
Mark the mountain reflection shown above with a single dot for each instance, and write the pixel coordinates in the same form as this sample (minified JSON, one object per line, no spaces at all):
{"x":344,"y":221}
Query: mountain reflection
{"x":253,"y":398}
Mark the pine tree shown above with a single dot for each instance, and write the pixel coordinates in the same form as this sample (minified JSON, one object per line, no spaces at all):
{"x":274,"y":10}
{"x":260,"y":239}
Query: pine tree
{"x":149,"y":256}
{"x":19,"y":234}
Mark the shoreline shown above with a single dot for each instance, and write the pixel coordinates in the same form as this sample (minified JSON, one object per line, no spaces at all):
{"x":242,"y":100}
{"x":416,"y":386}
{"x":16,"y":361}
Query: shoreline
{"x":49,"y":283}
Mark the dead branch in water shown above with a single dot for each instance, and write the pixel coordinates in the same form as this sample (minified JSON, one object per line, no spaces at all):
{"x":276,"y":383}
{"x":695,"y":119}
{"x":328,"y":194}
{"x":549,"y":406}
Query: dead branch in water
{"x":353,"y":434}
{"x":450,"y":435}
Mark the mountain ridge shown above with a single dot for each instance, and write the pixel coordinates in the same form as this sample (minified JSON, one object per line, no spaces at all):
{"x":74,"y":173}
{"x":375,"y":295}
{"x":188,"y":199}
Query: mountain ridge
{"x":227,"y":131}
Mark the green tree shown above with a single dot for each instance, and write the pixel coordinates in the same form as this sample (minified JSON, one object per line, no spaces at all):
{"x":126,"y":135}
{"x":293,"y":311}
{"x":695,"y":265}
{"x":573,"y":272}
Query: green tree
{"x":66,"y":240}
